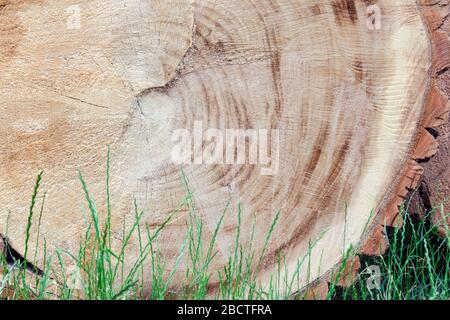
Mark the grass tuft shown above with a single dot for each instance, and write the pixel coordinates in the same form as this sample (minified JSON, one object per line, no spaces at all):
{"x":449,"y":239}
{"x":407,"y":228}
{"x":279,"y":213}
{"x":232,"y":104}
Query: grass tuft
{"x":414,"y":267}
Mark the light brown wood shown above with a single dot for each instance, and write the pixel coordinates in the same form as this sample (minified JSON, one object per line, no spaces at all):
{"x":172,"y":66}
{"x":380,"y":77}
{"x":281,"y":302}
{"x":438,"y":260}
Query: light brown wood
{"x":348,"y":100}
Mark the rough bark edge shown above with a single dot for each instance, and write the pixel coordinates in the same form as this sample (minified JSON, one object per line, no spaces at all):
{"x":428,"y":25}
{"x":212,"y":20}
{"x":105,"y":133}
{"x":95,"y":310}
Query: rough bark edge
{"x":435,"y":113}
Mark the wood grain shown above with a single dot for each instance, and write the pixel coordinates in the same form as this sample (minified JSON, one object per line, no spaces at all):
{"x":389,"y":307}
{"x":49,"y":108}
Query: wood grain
{"x":349,"y":103}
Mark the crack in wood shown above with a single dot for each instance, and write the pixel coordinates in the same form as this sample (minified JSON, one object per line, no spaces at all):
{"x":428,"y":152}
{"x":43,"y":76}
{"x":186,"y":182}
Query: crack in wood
{"x":14,"y":259}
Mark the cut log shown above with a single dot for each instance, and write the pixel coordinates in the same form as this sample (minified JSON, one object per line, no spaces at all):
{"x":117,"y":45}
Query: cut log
{"x":334,"y":95}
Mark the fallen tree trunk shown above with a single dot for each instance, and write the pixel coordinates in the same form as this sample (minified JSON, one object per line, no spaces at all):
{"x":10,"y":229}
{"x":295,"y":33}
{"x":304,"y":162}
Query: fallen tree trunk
{"x":318,"y":110}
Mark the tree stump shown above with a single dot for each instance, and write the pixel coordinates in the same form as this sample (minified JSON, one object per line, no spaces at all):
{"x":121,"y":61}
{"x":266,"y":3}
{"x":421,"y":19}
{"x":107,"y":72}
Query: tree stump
{"x":327,"y":106}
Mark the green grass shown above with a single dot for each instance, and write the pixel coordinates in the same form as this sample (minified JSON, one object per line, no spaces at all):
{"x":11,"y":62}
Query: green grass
{"x":414,"y":267}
